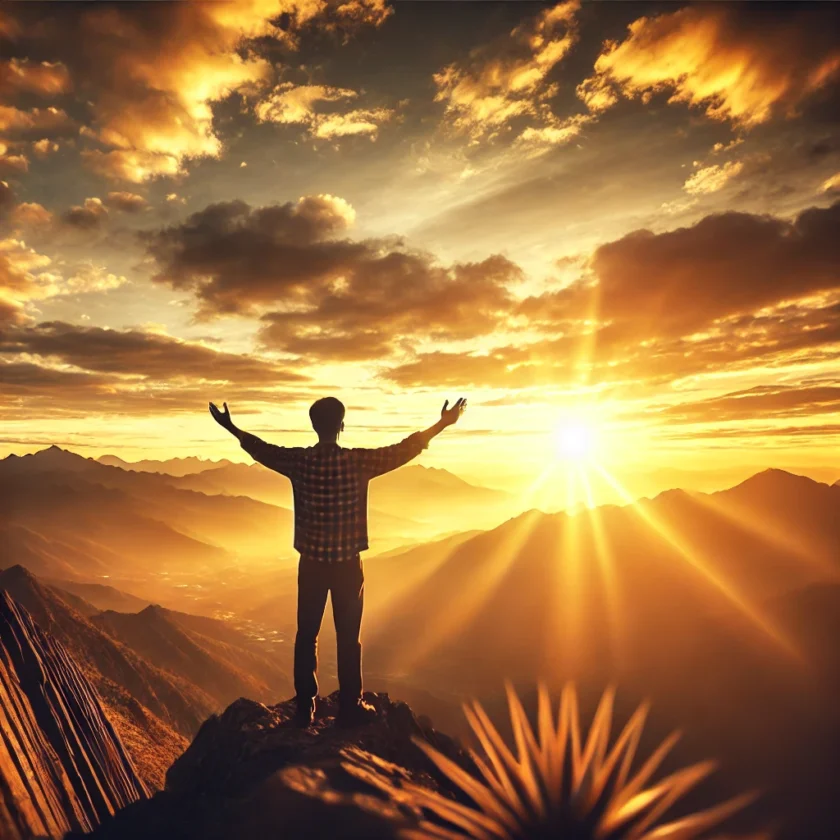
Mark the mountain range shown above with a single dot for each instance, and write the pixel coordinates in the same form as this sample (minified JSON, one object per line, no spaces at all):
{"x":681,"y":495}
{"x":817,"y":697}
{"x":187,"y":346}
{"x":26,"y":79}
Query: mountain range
{"x":721,"y":608}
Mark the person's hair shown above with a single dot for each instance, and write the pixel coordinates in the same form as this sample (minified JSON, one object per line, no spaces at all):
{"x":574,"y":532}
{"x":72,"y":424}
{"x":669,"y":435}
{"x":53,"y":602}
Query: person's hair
{"x":327,"y":415}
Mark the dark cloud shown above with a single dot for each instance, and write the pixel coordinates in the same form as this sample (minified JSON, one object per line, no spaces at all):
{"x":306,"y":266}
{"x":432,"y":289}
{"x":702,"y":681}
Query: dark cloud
{"x":126,"y":201}
{"x":648,"y":286}
{"x":725,"y":293}
{"x":7,"y":199}
{"x":761,"y":402}
{"x":336,"y":298}
{"x":29,"y":391}
{"x":24,"y":76}
{"x":138,"y":353}
{"x":87,"y":216}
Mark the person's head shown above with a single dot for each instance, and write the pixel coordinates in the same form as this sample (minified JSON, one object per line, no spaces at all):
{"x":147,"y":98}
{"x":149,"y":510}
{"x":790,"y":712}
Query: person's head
{"x":327,"y":416}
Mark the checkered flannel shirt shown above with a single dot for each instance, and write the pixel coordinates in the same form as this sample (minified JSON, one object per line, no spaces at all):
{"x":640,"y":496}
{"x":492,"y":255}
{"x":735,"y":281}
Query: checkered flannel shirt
{"x":330,"y":489}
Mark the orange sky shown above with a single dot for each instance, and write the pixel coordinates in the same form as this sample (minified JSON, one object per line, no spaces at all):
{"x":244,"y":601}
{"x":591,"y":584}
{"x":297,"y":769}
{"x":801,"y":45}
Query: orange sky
{"x":577,"y":216}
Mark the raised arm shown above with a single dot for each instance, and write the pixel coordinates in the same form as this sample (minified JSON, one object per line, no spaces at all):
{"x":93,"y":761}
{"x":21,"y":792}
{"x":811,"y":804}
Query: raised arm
{"x":282,"y":459}
{"x":373,"y":462}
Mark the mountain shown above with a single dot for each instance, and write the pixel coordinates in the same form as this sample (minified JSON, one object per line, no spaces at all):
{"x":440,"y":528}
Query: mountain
{"x":72,"y":517}
{"x":98,"y":596}
{"x":172,"y":466}
{"x":207,"y":652}
{"x":151,"y":709}
{"x":250,"y":773}
{"x":434,"y":498}
{"x":62,"y":765}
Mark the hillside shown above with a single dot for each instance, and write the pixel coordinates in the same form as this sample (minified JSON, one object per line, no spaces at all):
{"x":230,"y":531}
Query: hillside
{"x":62,"y":765}
{"x":151,"y":709}
{"x":99,"y":596}
{"x":208,"y":653}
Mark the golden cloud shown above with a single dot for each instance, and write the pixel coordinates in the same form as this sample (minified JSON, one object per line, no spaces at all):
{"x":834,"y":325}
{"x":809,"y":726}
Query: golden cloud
{"x":27,"y":275}
{"x":152,"y":72}
{"x":31,"y":214}
{"x":733,"y":63}
{"x":710,"y":179}
{"x":44,"y":147}
{"x":292,"y":104}
{"x":508,"y":79}
{"x":24,"y":76}
{"x":728,"y":291}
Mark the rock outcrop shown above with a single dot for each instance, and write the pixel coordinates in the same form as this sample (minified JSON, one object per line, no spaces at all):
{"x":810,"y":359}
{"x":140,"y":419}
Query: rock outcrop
{"x":251,"y":773}
{"x":62,"y":766}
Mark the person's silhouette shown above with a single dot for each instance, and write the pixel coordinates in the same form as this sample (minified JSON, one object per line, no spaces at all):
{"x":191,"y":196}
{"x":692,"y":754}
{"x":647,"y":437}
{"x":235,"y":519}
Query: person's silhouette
{"x":330,"y":489}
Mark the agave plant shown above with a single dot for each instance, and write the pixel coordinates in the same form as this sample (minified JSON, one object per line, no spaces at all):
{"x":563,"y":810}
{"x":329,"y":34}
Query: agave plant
{"x":558,"y":786}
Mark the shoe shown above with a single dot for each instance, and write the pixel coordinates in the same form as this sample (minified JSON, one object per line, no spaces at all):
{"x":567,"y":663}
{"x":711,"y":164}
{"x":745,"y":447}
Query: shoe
{"x":305,"y":714}
{"x":358,"y":714}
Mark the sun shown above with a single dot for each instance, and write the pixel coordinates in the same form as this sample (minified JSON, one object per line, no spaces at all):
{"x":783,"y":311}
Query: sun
{"x":575,"y":441}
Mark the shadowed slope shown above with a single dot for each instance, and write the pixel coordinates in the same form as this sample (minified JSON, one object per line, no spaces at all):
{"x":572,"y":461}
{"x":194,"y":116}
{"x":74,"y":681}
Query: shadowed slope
{"x":62,"y":765}
{"x":250,"y":773}
{"x":148,"y":706}
{"x":205,"y":651}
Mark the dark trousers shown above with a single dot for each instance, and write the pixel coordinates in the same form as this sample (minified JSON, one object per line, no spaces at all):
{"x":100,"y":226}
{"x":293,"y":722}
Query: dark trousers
{"x":346,"y":582}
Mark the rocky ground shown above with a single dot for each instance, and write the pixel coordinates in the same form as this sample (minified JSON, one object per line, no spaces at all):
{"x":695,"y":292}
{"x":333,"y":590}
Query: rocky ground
{"x":250,"y":773}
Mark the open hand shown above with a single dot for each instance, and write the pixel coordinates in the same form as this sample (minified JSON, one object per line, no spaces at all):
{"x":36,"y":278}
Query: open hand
{"x":449,"y":415}
{"x":221,"y":417}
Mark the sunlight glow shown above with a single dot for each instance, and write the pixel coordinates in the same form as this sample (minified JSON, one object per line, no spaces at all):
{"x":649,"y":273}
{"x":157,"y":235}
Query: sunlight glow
{"x":692,"y":557}
{"x":575,"y":441}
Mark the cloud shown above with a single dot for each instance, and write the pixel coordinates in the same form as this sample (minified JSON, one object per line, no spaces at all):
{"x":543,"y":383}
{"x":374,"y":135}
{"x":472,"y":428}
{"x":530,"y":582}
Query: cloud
{"x":31,"y":214}
{"x":126,"y":201}
{"x":24,"y":76}
{"x":87,"y":216}
{"x":675,"y":283}
{"x":152,"y":72}
{"x":26,"y":276}
{"x":7,"y":199}
{"x":58,"y":369}
{"x":292,"y":104}
{"x":710,"y":179}
{"x":725,"y":59}
{"x":12,"y":162}
{"x":135,"y":352}
{"x":34,"y":392}
{"x":723,"y":294}
{"x":507,"y":81}
{"x":763,"y":402}
{"x":322,"y":295}
{"x":44,"y":147}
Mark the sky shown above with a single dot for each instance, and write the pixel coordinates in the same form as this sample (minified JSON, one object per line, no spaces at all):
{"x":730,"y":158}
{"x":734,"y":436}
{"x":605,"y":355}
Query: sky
{"x":613,"y":227}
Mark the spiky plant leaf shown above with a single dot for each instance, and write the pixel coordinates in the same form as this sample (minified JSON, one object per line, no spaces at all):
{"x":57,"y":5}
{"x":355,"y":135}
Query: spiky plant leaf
{"x":559,"y":783}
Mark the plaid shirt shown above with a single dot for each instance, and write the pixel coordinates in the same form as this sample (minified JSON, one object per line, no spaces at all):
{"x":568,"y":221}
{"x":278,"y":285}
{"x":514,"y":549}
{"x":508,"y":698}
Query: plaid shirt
{"x":330,"y":489}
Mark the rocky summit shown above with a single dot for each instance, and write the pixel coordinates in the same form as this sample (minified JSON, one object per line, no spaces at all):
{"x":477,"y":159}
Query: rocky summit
{"x":251,"y":773}
{"x":62,"y":765}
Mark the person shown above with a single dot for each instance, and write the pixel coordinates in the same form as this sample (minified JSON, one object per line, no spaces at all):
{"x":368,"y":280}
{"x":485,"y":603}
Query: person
{"x":330,"y":491}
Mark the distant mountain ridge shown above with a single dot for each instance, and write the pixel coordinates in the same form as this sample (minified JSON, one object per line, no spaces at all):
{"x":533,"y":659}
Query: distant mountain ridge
{"x":73,"y":517}
{"x":171,"y":466}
